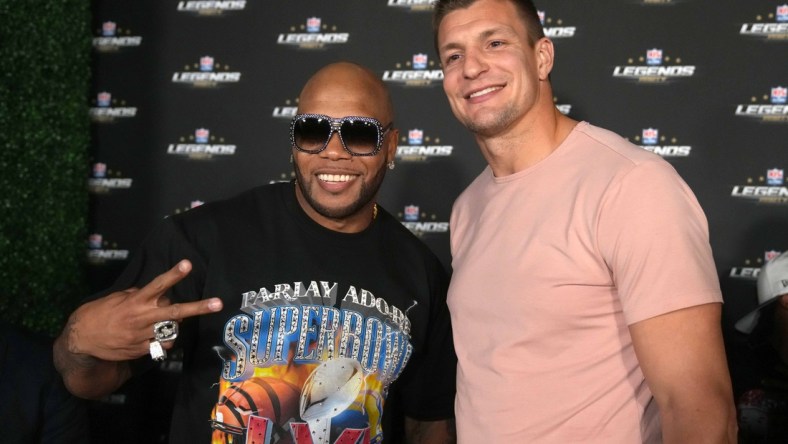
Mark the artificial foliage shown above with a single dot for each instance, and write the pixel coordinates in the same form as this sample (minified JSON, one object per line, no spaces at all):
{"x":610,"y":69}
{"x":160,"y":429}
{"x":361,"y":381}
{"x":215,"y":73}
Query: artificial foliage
{"x":44,"y":139}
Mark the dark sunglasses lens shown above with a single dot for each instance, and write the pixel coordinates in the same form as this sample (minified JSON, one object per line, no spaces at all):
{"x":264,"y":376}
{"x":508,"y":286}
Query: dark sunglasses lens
{"x":311,"y":133}
{"x":359,"y":136}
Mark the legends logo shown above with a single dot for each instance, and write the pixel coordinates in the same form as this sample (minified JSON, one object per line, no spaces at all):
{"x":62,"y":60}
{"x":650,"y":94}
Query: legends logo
{"x":104,"y":180}
{"x":421,"y":223}
{"x":193,"y":204}
{"x":111,"y":38}
{"x":206,"y":74}
{"x":99,"y":253}
{"x":199,"y":147}
{"x":770,"y":26}
{"x":658,"y":68}
{"x":315,"y":37}
{"x":650,"y":140}
{"x":284,"y":177}
{"x":768,"y":189}
{"x":554,"y":28}
{"x":752,"y":268}
{"x":772,"y":108}
{"x":563,"y":108}
{"x":413,"y":5}
{"x":421,"y":148}
{"x":287,"y":111}
{"x":106,"y":109}
{"x":417,"y":75}
{"x":211,"y":7}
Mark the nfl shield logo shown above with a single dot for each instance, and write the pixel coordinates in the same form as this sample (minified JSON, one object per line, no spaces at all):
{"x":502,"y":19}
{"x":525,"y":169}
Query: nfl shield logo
{"x":411,"y":213}
{"x":206,"y":63}
{"x":650,"y":136}
{"x":313,"y":24}
{"x":541,"y":16}
{"x":201,"y":135}
{"x":654,"y":57}
{"x":99,"y":170}
{"x":779,"y":94}
{"x":108,"y":29}
{"x":415,"y":136}
{"x":104,"y":99}
{"x":419,"y":61}
{"x":769,"y":255}
{"x":95,"y":241}
{"x":774,"y":176}
{"x":782,"y":13}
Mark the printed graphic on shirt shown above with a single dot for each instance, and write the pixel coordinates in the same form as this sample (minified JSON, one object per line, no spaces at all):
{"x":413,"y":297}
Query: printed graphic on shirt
{"x":309,"y":363}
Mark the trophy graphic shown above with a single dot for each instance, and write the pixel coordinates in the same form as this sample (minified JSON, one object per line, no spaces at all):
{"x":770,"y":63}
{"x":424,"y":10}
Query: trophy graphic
{"x":327,"y":392}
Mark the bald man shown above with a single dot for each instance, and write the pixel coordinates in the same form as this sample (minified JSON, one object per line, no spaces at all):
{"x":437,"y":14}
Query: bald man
{"x":297,"y":305}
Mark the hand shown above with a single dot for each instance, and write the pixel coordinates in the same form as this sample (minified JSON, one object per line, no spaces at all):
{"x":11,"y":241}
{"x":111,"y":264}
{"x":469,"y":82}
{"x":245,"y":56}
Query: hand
{"x":119,"y":326}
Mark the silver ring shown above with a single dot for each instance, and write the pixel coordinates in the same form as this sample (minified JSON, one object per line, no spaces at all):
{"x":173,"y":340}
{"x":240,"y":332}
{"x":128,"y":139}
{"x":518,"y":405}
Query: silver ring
{"x":157,"y":353}
{"x":165,"y":331}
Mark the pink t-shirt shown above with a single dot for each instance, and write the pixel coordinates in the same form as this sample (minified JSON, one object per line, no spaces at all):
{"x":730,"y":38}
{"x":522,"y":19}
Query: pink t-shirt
{"x":551,"y":265}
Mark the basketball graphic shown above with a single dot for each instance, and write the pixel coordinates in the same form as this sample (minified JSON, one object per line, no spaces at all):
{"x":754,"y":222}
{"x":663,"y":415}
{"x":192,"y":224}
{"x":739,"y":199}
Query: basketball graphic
{"x":264,"y":397}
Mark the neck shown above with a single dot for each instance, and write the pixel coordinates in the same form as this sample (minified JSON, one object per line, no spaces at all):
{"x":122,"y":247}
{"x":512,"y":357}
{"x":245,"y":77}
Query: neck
{"x":354,"y":223}
{"x":526,"y":144}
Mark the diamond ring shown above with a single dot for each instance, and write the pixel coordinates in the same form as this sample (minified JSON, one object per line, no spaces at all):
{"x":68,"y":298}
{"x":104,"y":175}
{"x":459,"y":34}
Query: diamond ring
{"x":165,"y":331}
{"x":157,"y":353}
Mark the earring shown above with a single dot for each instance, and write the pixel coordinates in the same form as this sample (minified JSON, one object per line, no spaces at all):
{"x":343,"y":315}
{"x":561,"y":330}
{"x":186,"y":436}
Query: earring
{"x":291,"y":158}
{"x":391,"y":165}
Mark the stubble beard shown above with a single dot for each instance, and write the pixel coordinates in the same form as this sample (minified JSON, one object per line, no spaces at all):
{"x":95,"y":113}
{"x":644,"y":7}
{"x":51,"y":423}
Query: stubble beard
{"x":368,"y":192}
{"x":489,"y":125}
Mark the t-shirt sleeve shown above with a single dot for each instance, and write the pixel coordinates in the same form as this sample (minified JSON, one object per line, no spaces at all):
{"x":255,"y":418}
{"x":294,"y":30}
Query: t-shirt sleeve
{"x":427,"y":387}
{"x":162,"y":248}
{"x":654,"y":237}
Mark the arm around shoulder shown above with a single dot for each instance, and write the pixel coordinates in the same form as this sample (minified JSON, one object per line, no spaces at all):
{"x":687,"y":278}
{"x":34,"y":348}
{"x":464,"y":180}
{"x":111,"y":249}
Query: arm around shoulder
{"x":683,"y":360}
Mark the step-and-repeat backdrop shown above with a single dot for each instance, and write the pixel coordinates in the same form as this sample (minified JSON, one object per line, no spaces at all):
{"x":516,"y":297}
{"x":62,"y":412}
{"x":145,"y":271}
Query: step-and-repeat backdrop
{"x":191,"y":102}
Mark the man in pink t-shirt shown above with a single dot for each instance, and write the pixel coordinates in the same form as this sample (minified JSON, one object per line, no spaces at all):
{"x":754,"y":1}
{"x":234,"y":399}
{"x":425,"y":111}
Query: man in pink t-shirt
{"x":584,"y":299}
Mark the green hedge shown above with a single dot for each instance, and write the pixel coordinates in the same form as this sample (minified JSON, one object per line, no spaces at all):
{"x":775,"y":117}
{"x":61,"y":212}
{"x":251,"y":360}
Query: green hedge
{"x":45,"y":49}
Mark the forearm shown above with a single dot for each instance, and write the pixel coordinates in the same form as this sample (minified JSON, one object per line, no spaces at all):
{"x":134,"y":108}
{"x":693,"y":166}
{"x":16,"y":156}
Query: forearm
{"x":708,"y":420}
{"x":430,"y":432}
{"x":84,"y":375}
{"x":690,"y":382}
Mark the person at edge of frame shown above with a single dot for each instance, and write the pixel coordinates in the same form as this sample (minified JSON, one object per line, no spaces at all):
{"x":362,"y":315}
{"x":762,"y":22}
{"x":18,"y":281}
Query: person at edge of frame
{"x":761,"y":353}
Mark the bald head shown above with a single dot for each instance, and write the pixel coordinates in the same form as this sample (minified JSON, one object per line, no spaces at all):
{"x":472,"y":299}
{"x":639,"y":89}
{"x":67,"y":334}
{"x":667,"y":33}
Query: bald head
{"x":344,"y":88}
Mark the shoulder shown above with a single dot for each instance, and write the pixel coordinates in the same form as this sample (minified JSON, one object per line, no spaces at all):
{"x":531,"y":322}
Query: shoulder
{"x":611,"y":160}
{"x":234,"y":210}
{"x":610,"y":145}
{"x":396,"y":235}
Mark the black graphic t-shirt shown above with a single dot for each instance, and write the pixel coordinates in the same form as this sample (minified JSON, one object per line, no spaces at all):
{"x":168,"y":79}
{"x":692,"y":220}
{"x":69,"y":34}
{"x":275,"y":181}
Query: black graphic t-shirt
{"x":315,"y":328}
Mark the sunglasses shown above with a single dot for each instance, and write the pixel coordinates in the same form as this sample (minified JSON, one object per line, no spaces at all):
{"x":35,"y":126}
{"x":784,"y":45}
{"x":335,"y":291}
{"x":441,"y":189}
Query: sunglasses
{"x":360,"y":136}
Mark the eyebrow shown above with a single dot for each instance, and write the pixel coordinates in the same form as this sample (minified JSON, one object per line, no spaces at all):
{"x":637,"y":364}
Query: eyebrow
{"x":484,"y":35}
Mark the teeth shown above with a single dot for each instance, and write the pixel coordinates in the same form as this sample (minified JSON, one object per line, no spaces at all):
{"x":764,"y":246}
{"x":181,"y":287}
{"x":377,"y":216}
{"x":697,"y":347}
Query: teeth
{"x":485,"y":91}
{"x":335,"y":177}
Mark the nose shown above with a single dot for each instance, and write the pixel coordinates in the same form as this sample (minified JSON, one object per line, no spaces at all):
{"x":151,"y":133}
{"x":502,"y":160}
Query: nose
{"x":334,"y":149}
{"x":474,"y":64}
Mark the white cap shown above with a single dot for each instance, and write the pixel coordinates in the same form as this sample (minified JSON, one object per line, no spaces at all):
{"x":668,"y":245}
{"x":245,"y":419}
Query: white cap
{"x":772,"y":283}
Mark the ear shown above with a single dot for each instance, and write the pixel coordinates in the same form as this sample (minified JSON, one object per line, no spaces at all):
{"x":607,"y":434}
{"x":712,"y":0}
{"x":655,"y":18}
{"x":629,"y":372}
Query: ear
{"x":545,"y":56}
{"x":390,"y":144}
